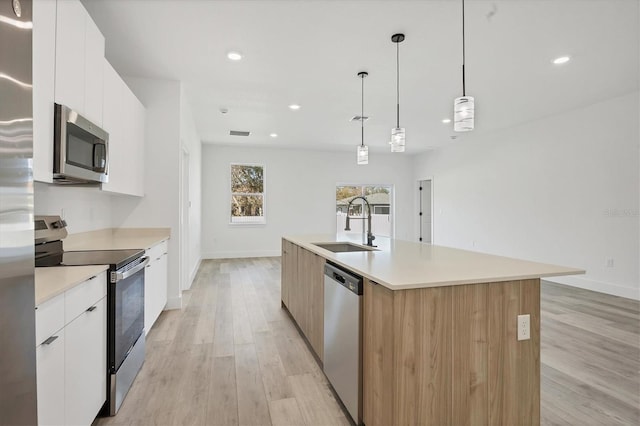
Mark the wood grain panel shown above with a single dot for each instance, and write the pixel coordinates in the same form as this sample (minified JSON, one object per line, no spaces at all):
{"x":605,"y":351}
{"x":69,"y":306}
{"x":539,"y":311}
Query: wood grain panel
{"x":422,"y":356}
{"x":528,"y":380}
{"x":503,"y":302}
{"x":316,"y":305}
{"x":377,"y":355}
{"x":469,"y":383}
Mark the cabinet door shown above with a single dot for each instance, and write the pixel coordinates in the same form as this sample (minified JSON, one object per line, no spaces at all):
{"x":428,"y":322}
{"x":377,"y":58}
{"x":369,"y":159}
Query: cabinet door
{"x":155,"y":289}
{"x":94,"y":71}
{"x":150,"y":277}
{"x":163,"y":281}
{"x":44,"y":64}
{"x":138,"y":146}
{"x":50,"y":380}
{"x":313,"y":281}
{"x":86,"y":365}
{"x":285,"y":274}
{"x":112,"y":116}
{"x":70,"y":54}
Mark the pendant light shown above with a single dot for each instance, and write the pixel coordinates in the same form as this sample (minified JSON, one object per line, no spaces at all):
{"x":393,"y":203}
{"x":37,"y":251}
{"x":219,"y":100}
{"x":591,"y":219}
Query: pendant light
{"x":397,"y":133}
{"x":463,"y":107}
{"x":363,"y":150}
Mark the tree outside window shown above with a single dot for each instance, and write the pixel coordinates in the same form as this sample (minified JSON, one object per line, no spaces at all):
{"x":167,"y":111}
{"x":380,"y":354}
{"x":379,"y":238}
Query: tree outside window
{"x":247,"y":193}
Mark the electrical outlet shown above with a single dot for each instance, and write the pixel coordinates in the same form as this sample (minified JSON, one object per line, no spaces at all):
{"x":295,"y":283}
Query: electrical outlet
{"x":609,"y":263}
{"x":524,"y":327}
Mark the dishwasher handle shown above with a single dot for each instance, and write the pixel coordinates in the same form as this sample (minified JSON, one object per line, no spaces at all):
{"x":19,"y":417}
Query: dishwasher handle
{"x":339,"y":278}
{"x":346,"y":279}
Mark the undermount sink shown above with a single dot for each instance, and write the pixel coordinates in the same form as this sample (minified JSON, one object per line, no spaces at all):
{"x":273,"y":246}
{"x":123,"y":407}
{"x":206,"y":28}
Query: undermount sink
{"x":342,"y":247}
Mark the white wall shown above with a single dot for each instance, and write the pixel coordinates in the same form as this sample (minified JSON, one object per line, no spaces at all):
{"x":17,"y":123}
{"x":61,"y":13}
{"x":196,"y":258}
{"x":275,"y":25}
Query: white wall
{"x":300,"y":196}
{"x":84,"y":208}
{"x":191,"y":141}
{"x":548,"y":191}
{"x":160,"y":205}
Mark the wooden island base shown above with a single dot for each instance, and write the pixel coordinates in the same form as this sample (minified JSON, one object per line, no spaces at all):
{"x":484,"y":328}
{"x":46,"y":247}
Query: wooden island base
{"x":439,"y":329}
{"x":450,"y":355}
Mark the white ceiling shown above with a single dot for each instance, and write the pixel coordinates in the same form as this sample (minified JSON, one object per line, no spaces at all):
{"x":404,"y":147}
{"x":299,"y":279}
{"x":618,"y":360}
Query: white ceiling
{"x":309,"y":52}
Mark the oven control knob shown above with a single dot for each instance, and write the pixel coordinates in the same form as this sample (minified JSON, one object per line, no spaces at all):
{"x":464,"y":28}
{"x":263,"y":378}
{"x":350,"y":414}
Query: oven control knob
{"x":59,"y":224}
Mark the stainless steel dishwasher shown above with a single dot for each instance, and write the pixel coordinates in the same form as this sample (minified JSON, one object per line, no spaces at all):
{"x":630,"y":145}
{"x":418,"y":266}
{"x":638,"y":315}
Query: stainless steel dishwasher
{"x":342,"y":337}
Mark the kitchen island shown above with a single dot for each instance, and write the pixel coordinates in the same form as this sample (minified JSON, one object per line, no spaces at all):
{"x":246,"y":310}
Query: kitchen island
{"x":439,"y":329}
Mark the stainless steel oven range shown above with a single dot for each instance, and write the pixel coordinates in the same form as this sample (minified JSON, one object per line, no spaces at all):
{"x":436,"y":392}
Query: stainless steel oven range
{"x":125,"y":301}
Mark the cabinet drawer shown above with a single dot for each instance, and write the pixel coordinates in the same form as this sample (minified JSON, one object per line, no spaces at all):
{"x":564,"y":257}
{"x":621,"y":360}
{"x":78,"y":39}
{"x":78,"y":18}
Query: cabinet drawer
{"x":84,"y":295}
{"x":157,"y":251}
{"x":49,"y":318}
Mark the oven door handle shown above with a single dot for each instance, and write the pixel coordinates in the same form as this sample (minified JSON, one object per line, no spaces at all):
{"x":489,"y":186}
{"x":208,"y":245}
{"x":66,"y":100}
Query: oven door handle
{"x":124,"y":275}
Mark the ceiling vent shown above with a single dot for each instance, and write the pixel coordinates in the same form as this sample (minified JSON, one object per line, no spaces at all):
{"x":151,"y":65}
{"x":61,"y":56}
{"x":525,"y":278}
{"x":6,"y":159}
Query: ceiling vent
{"x":359,"y":118}
{"x":239,"y":133}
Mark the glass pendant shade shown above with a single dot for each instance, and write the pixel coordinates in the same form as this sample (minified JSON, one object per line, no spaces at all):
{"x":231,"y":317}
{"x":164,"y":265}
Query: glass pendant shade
{"x":397,"y":139}
{"x":363,"y":155}
{"x":463,"y":114}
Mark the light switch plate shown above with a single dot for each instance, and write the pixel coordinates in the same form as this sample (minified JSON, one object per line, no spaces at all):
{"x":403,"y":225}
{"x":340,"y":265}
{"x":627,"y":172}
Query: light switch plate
{"x":524,"y":327}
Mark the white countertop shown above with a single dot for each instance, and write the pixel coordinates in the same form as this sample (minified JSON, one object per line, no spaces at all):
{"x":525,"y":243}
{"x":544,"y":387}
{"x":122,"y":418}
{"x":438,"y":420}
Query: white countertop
{"x":400,"y":264}
{"x":55,"y":280}
{"x":116,"y":239}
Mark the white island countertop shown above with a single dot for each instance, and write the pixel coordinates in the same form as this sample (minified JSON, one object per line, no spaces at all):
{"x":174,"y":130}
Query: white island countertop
{"x":116,"y":239}
{"x":400,"y":265}
{"x":55,"y":280}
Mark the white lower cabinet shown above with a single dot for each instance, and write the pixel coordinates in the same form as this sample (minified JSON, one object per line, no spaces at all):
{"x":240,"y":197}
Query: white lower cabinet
{"x":71,"y":354}
{"x":85,"y":360}
{"x":155,"y":284}
{"x":50,"y":374}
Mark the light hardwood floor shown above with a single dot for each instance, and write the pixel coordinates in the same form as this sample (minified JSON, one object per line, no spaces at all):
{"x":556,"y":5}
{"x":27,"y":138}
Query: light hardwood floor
{"x":232,"y":356}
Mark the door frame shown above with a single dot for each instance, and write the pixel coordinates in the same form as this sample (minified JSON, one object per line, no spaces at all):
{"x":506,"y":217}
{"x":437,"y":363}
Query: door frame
{"x":419,"y":207}
{"x":184,"y":224}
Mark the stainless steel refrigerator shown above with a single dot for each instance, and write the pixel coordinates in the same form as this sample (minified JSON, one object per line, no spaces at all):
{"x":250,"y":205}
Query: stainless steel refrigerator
{"x":17,"y":311}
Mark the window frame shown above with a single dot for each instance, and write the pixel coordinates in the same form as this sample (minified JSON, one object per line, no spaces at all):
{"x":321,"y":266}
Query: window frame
{"x":263,"y":194}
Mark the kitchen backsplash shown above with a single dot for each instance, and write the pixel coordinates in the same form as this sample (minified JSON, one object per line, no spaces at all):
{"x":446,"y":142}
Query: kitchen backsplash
{"x":84,"y":208}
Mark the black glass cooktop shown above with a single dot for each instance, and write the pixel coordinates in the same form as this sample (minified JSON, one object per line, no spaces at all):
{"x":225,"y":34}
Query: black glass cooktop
{"x":115,"y":258}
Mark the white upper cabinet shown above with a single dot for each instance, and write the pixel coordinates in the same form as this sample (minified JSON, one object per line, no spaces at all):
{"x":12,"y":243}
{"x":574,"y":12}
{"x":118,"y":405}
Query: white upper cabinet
{"x":70,"y":53}
{"x":112,"y":123}
{"x":124,"y":119}
{"x":94,"y":66}
{"x":79,"y":55}
{"x":44,"y":64}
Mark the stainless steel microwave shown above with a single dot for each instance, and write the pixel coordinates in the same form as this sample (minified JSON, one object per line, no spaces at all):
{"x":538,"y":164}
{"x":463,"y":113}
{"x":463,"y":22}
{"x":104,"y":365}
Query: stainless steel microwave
{"x":80,"y":150}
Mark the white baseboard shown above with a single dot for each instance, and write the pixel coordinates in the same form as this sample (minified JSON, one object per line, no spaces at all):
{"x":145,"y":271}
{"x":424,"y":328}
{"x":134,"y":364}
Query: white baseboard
{"x":600,"y":287}
{"x":173,"y":303}
{"x":240,"y":254}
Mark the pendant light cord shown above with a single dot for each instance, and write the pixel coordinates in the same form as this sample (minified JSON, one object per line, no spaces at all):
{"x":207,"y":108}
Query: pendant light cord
{"x":464,"y":92}
{"x":362,"y":110}
{"x":397,"y":84}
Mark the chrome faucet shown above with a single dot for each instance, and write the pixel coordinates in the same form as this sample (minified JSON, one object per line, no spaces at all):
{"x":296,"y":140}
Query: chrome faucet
{"x":370,"y":236}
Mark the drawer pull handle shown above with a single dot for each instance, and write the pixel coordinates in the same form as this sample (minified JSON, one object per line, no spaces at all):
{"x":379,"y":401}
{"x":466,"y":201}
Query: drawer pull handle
{"x":50,"y":340}
{"x":158,"y":258}
{"x":148,"y":266}
{"x":93,"y":277}
{"x":91,"y":309}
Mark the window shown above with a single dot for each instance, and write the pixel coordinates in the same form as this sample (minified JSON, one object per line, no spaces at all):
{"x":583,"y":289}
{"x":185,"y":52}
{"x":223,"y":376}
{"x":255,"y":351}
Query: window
{"x":247,"y":193}
{"x":379,"y":198}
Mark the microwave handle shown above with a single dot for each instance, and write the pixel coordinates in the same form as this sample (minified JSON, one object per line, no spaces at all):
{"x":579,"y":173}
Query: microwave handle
{"x":97,"y":157}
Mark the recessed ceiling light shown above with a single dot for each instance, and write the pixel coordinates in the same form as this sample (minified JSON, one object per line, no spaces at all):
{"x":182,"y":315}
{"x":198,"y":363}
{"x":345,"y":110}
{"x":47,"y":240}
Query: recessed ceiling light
{"x":234,"y":56}
{"x":446,"y":120}
{"x":294,"y":107}
{"x":274,"y":135}
{"x":561,"y":60}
